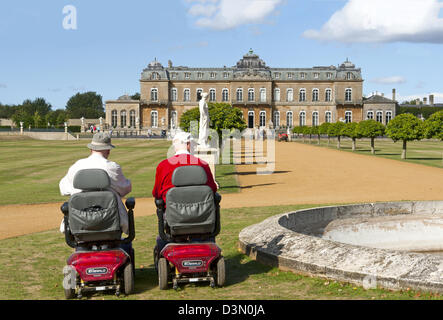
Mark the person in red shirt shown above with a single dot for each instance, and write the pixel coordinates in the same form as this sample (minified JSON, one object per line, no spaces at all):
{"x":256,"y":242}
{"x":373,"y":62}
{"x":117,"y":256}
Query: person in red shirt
{"x":182,"y":157}
{"x":165,"y":169}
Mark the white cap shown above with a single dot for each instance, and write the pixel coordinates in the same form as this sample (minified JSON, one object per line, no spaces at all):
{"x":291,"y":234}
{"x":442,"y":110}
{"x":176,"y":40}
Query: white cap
{"x":182,"y":137}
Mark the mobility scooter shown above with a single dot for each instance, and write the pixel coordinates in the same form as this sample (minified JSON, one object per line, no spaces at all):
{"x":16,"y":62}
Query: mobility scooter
{"x":92,"y":228}
{"x":188,"y":223}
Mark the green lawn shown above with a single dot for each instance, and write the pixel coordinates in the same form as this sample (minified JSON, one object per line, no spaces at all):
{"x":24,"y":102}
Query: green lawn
{"x":30,"y":170}
{"x":427,"y":152}
{"x":31,"y":268}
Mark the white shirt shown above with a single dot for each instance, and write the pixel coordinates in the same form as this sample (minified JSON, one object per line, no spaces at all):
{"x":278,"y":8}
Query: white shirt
{"x":119,"y":184}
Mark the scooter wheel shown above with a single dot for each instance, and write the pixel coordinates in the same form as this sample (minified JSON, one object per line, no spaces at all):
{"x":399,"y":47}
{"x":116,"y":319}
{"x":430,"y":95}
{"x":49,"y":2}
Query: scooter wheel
{"x":128,"y":278}
{"x":221,"y":272}
{"x":69,"y":293}
{"x":163,"y":271}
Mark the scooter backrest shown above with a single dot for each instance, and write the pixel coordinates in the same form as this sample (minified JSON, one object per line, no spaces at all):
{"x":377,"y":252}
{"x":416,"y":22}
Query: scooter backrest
{"x":91,"y":179}
{"x":189,"y":176}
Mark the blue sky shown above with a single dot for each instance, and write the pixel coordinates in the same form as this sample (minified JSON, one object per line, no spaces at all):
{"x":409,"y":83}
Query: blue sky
{"x":397,"y":43}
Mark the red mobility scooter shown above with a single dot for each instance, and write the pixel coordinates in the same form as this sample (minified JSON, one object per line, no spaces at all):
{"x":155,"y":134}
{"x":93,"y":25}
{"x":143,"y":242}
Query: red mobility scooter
{"x":92,"y":228}
{"x":188,"y":223}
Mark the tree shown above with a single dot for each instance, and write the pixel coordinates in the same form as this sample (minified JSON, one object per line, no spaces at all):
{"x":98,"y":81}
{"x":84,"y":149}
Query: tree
{"x":31,"y":112}
{"x":405,"y":127}
{"x":88,"y":105}
{"x":307,"y":131}
{"x":37,"y":120}
{"x":371,"y":129}
{"x":135,"y":96}
{"x":350,"y":130}
{"x":324,"y":128}
{"x":433,"y":127}
{"x":335,"y":131}
{"x":315,"y":130}
{"x":222,"y":115}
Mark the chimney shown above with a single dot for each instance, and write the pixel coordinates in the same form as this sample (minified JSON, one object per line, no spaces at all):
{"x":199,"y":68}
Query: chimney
{"x":393,"y":94}
{"x":431,"y":100}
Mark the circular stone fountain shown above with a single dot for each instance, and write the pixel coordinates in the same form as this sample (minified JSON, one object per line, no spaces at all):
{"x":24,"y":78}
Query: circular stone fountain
{"x":394,"y":245}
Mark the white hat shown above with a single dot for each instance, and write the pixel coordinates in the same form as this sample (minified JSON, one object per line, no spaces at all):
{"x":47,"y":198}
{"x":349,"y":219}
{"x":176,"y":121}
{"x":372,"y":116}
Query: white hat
{"x":183,"y":137}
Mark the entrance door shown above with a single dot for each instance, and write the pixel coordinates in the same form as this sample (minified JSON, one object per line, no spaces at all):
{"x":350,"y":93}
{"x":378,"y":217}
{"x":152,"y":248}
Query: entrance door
{"x":251,"y":119}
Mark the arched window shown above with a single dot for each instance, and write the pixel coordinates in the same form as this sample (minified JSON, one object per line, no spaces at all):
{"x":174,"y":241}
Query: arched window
{"x":370,"y":115}
{"x":290,"y":95}
{"x":388,"y":116}
{"x":251,"y":94}
{"x":225,"y":95}
{"x":328,"y":116}
{"x":198,"y":94}
{"x":154,"y":119}
{"x":315,"y":95}
{"x":315,"y":118}
{"x":239,"y":94}
{"x":187,"y":95}
{"x":289,"y":119}
{"x":276,"y":94}
{"x":348,"y":116}
{"x":348,"y":94}
{"x":212,"y":95}
{"x":132,"y":118}
{"x":302,"y":95}
{"x":349,"y":76}
{"x":263,"y":95}
{"x":302,"y":118}
{"x":328,"y":95}
{"x":173,"y":119}
{"x":251,"y":119}
{"x":154,"y":94}
{"x":123,"y":118}
{"x":114,"y":118}
{"x":174,"y":94}
{"x":262,"y":118}
{"x":380,"y":116}
{"x":276,"y":118}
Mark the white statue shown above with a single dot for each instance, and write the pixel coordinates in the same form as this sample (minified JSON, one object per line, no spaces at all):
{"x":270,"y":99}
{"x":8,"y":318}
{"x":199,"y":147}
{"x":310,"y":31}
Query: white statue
{"x":203,"y":132}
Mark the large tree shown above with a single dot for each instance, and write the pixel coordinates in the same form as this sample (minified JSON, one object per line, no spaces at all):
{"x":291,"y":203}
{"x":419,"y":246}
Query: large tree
{"x":405,"y":127}
{"x":350,"y":131}
{"x":223,"y":116}
{"x":371,"y":129}
{"x":433,"y":127}
{"x":324,"y":128}
{"x":335,"y":129}
{"x":31,"y":112}
{"x":88,"y":105}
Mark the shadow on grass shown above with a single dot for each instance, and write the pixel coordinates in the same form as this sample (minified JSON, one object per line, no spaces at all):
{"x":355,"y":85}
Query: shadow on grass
{"x":237,"y":272}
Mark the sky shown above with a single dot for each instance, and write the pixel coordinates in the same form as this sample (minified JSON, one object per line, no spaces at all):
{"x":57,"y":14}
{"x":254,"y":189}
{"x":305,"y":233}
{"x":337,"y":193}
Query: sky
{"x":56,"y":48}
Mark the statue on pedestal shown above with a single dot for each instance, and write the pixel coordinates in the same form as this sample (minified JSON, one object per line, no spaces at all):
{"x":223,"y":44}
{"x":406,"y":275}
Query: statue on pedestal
{"x":203,"y":132}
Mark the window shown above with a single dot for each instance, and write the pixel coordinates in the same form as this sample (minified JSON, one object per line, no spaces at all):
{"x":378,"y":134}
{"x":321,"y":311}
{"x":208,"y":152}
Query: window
{"x":199,"y":75}
{"x":276,"y":94}
{"x":225,"y":75}
{"x":154,"y":119}
{"x":388,"y":116}
{"x":187,"y":95}
{"x":114,"y":118}
{"x":155,"y":76}
{"x":302,"y":118}
{"x":154,"y":94}
{"x":251,"y":95}
{"x":173,"y":119}
{"x":173,"y":94}
{"x":276,"y":118}
{"x":123,"y":118}
{"x":380,"y":116}
{"x":302,"y":75}
{"x":290,"y":95}
{"x":239,"y":94}
{"x":212,"y":95}
{"x":315,"y":95}
{"x":251,"y":119}
{"x":328,"y":116}
{"x":302,"y":95}
{"x":174,"y":75}
{"x":263,"y":95}
{"x":329,"y":75}
{"x":277,"y":75}
{"x":315,"y":118}
{"x":290,"y":75}
{"x":328,"y":95}
{"x":289,"y":118}
{"x":199,"y":94}
{"x":315,"y":75}
{"x":349,"y":76}
{"x":348,"y":116}
{"x":348,"y":94}
{"x":132,"y":118}
{"x":212,"y":75}
{"x":262,"y":118}
{"x":225,"y":94}
{"x":370,"y":115}
{"x":187,"y":75}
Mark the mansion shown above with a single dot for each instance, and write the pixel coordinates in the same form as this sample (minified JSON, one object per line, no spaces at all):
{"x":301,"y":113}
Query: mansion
{"x":268,"y":97}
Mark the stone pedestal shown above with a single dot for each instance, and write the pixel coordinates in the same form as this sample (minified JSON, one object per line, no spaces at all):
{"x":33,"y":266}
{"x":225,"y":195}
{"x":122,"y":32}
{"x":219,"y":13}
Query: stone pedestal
{"x":209,"y":155}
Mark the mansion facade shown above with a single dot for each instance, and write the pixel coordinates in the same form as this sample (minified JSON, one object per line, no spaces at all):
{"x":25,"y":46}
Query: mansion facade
{"x":268,"y":97}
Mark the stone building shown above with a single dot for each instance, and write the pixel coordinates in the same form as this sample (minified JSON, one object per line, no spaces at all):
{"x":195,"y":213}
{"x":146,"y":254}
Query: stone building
{"x":268,"y":97}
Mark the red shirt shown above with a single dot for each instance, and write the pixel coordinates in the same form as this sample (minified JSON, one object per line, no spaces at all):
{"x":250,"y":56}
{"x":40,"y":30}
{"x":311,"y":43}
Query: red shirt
{"x":163,"y":175}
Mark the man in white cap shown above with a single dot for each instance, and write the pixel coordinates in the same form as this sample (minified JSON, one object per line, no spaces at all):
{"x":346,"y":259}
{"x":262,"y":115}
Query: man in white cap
{"x":100,"y":147}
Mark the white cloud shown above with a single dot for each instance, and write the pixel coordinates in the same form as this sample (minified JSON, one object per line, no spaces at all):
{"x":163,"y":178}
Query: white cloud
{"x":383,"y":21}
{"x":228,"y":14}
{"x":390,"y":80}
